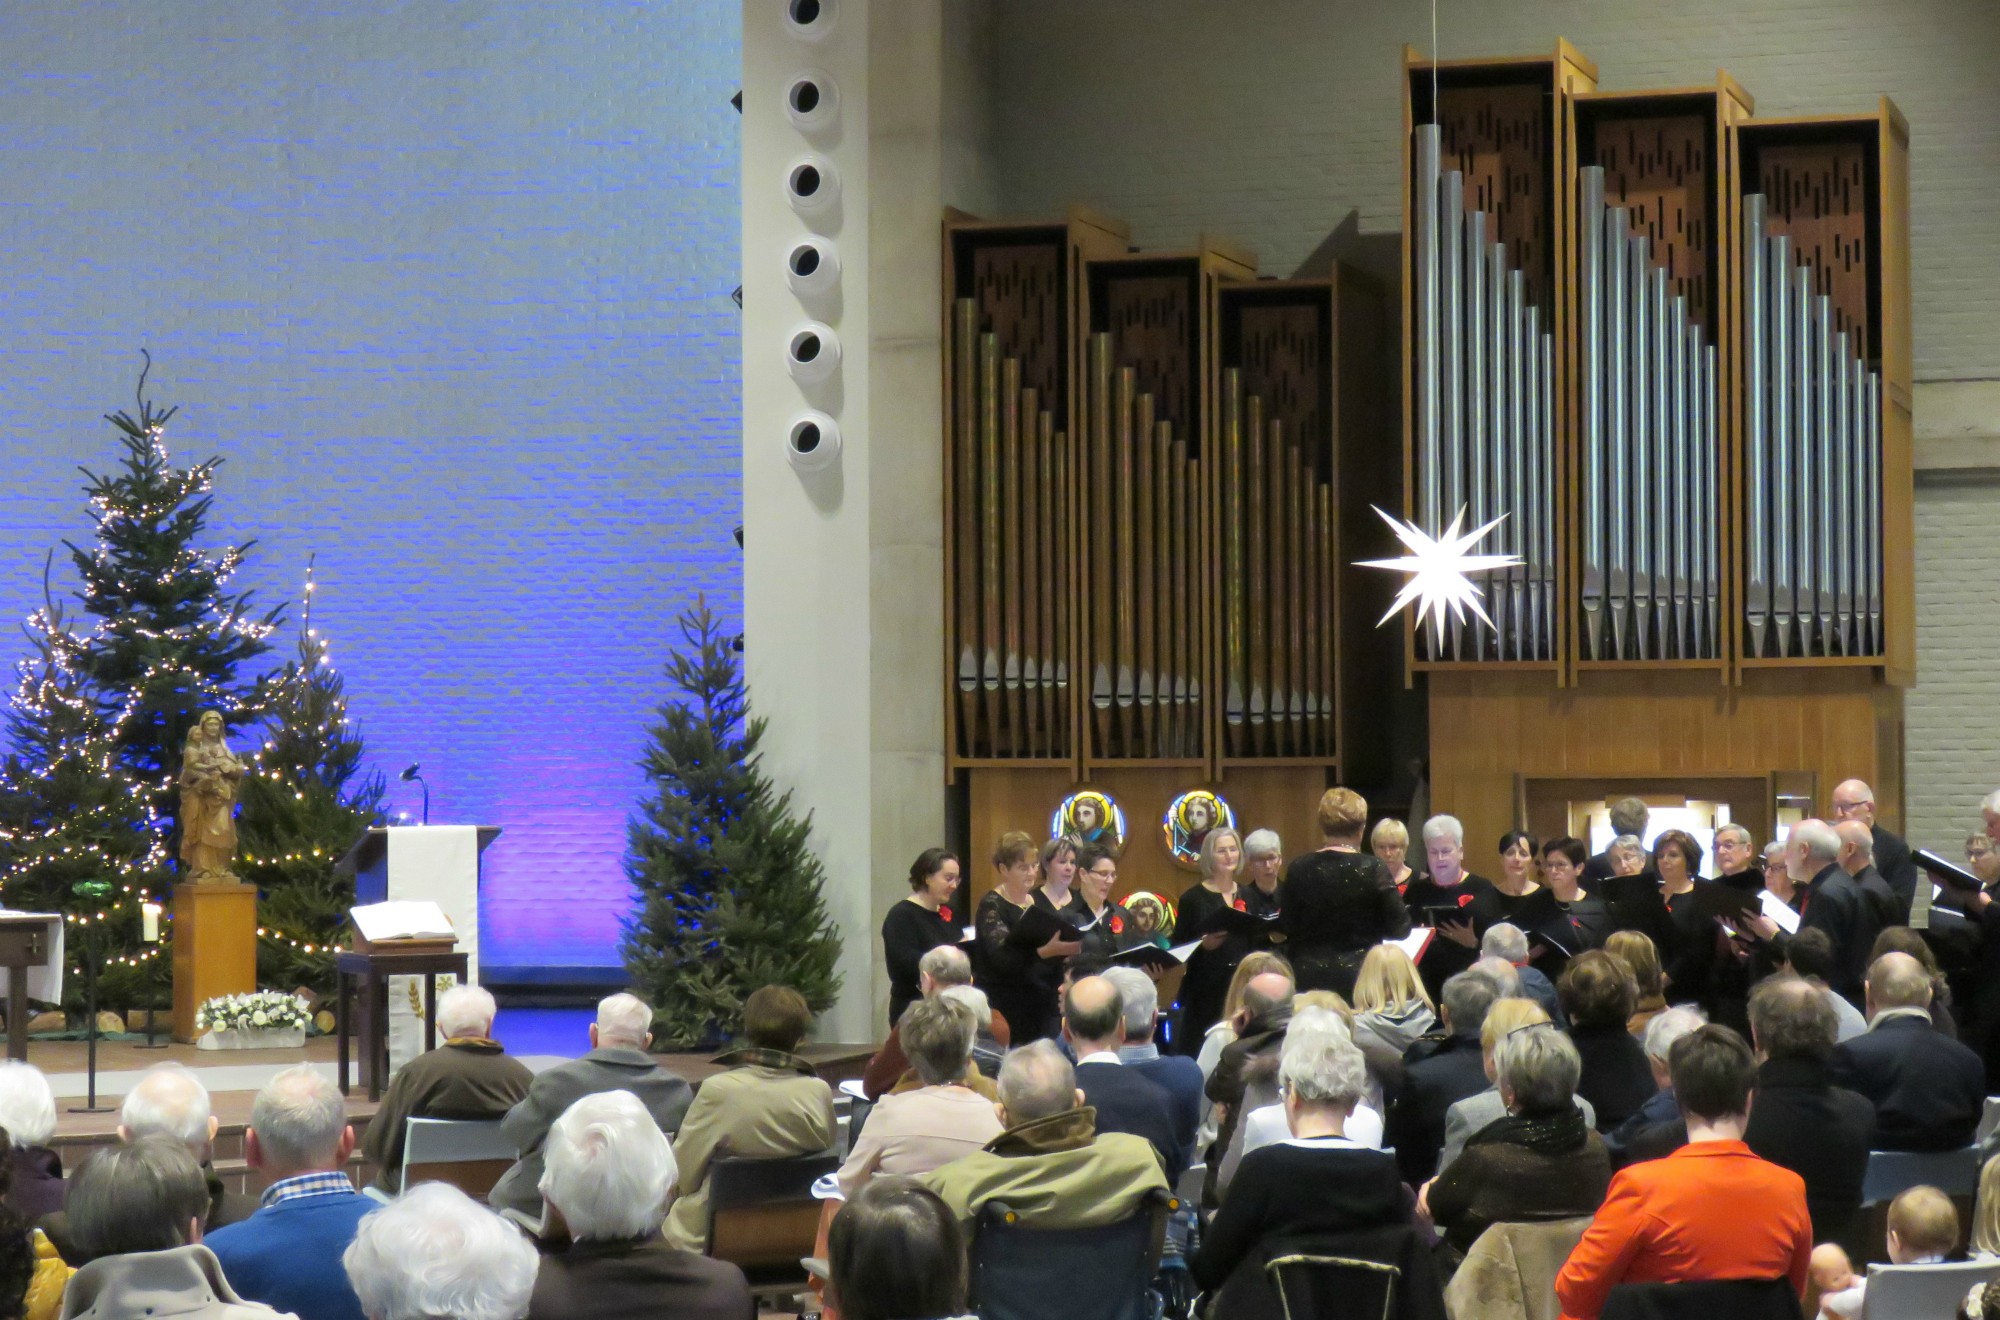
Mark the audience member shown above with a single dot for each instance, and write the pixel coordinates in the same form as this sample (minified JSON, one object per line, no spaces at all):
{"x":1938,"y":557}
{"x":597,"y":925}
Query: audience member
{"x":1711,"y":1210}
{"x":168,"y":1101}
{"x":1655,"y":1128}
{"x":136,"y":1211}
{"x":896,"y":1253}
{"x":1802,"y":1121}
{"x":1338,"y":902}
{"x":1264,"y":1122}
{"x":1260,"y":1030}
{"x":617,"y":1062}
{"x":434,"y":1253}
{"x":1094,"y":1027}
{"x":913,"y":1132}
{"x":1509,"y":944}
{"x":1220,"y":1036}
{"x":1902,"y":939}
{"x":1540,"y":1161}
{"x":1923,"y":1230}
{"x":1306,"y":1192}
{"x":1834,"y":903}
{"x":1641,"y":957}
{"x":1391,"y":1005}
{"x":1598,"y":993}
{"x":1985,"y":1244}
{"x":1439,"y":1071}
{"x":1051,"y":1165}
{"x":1928,"y":1090}
{"x":943,"y":968}
{"x":1176,"y":1074}
{"x":470,"y":1076}
{"x":1505,"y":976}
{"x":769,"y":1104}
{"x":1809,"y":956}
{"x":1473,"y":1113}
{"x":32,"y":1275}
{"x":287,"y":1255}
{"x":28,"y":1113}
{"x":608,"y":1177}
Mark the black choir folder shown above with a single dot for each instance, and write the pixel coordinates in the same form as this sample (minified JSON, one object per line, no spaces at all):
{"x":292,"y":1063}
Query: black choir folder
{"x":1151,"y":957}
{"x":1038,"y":926}
{"x":1235,"y":921}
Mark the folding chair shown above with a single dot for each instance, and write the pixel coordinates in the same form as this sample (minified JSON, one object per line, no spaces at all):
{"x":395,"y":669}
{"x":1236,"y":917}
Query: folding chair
{"x":1904,"y":1292}
{"x":1322,"y":1287}
{"x":469,"y":1155}
{"x":763,"y":1218}
{"x":1103,"y":1273}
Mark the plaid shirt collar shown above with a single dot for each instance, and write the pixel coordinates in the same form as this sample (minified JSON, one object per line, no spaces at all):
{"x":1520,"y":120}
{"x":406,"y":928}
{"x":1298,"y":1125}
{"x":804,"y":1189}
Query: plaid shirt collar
{"x":325,"y":1183}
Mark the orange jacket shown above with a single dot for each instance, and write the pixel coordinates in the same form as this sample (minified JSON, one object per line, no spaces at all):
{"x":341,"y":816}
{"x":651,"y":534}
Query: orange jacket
{"x":1712,"y":1210}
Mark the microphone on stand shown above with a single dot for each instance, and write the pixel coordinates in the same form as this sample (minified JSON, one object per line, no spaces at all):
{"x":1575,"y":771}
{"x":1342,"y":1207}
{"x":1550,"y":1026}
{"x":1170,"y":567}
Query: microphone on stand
{"x":411,"y":776}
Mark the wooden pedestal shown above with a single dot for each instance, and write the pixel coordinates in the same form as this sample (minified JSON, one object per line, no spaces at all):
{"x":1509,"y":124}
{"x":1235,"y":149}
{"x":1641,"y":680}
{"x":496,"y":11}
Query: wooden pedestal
{"x":215,"y":947}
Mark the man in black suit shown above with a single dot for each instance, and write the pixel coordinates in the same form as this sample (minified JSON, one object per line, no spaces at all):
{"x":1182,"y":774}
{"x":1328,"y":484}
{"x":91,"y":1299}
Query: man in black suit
{"x":1834,"y":903}
{"x":1736,"y":862}
{"x":1857,"y":858}
{"x":1801,"y":1120}
{"x":1176,"y":1074}
{"x":1628,"y":816}
{"x":1855,"y":801}
{"x":1093,"y":1024}
{"x":1928,"y":1090}
{"x":1440,"y":1070}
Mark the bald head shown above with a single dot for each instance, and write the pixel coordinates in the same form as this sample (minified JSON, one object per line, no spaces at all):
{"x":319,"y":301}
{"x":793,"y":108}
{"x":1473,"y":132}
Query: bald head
{"x":1093,"y":1015}
{"x":1036,"y":1081}
{"x":1853,"y":800}
{"x":1857,"y":846}
{"x":169,"y":1101}
{"x":1810,"y":848}
{"x":1896,"y":980}
{"x":1266,"y":991}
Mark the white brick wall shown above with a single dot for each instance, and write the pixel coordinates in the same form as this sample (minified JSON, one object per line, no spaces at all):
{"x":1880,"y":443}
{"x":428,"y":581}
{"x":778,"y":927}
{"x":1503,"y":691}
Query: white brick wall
{"x":1952,"y":747}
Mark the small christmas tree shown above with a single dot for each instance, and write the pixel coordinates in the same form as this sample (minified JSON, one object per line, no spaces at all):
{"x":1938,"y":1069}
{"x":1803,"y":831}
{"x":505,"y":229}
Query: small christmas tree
{"x":305,"y":800}
{"x":170,"y":635}
{"x":729,"y":892}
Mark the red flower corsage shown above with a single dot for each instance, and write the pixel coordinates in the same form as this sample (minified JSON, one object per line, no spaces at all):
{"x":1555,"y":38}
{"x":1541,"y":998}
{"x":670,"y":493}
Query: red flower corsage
{"x":1463,"y":899}
{"x":944,"y":911}
{"x":1240,"y":905}
{"x":1117,"y":924}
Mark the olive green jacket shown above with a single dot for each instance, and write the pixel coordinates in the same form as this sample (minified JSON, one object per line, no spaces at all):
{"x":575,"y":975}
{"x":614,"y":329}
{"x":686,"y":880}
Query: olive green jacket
{"x":1056,"y":1172}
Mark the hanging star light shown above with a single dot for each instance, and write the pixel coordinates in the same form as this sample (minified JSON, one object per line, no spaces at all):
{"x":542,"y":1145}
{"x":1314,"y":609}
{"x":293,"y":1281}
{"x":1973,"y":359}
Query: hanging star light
{"x":1438,"y":567}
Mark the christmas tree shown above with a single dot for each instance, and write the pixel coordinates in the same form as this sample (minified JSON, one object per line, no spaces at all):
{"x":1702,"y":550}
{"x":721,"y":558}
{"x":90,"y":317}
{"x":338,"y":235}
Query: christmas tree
{"x":305,"y":800}
{"x":728,"y":889}
{"x":170,"y":635}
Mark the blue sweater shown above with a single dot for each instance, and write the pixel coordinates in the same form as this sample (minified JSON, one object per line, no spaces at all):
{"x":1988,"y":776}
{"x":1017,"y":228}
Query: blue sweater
{"x":287,"y":1255}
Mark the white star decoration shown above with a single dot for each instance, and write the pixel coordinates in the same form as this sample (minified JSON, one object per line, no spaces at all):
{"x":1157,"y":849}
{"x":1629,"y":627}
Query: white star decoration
{"x":1437,"y":567}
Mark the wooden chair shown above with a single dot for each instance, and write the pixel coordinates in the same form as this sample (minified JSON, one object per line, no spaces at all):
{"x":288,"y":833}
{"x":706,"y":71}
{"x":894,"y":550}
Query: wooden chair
{"x":764,"y":1219}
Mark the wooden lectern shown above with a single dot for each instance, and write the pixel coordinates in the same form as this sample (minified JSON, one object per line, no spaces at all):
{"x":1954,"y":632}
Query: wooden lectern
{"x":215,"y":947}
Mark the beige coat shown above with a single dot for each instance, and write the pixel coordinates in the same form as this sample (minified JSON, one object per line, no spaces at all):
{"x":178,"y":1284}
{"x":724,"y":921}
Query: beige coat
{"x":1510,"y":1273}
{"x":186,"y":1281}
{"x":769,"y":1107}
{"x":1058,"y":1172}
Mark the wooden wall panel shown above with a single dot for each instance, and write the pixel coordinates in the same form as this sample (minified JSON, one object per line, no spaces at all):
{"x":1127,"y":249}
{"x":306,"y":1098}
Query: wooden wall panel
{"x":1489,"y":730}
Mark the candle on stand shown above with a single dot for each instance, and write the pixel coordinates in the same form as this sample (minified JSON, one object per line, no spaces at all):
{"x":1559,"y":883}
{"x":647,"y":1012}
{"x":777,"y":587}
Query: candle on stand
{"x":149,"y":922}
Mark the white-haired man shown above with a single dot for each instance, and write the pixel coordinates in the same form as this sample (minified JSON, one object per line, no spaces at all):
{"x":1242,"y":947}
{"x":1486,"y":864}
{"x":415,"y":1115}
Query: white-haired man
{"x":28,"y":1116}
{"x":1505,"y":942}
{"x":470,"y":1076}
{"x":1050,"y":1164}
{"x":944,"y":968}
{"x":617,"y":1062}
{"x":609,"y":1175}
{"x":1449,"y":899}
{"x":1656,"y":1128}
{"x":1928,"y":1089}
{"x":435,"y":1252}
{"x":1854,"y":800}
{"x":287,"y":1255}
{"x":1834,"y":903}
{"x":168,"y":1100}
{"x":1176,"y":1074}
{"x":1736,"y":862}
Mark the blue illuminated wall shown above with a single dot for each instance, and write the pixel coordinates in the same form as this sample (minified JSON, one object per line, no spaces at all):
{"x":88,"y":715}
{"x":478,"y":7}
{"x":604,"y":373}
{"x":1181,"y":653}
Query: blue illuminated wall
{"x":448,"y":285}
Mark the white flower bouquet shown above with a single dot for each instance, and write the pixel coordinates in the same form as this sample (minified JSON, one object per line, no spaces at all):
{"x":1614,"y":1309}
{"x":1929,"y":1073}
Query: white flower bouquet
{"x":260,"y":1019}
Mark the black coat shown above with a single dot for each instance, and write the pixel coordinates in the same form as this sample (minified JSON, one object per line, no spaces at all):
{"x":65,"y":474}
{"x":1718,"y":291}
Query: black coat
{"x":1438,"y":1072}
{"x":1820,"y":1131}
{"x":1928,"y":1090}
{"x":1616,"y":1078}
{"x":1126,"y":1101}
{"x":1897,"y":867}
{"x":1837,"y":904}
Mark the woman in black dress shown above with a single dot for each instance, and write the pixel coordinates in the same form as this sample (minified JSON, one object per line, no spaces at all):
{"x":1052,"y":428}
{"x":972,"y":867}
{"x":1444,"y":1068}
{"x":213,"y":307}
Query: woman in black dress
{"x":1698,"y":957}
{"x":1581,"y":921}
{"x":1339,"y":902}
{"x":1010,"y":973}
{"x":1440,"y":900}
{"x":918,"y":924}
{"x":1107,"y":927}
{"x":1210,"y":966}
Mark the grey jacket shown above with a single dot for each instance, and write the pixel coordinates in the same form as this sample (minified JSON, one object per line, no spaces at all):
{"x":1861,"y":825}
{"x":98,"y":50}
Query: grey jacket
{"x":1475,"y":1112}
{"x":186,"y":1281}
{"x":608,"y":1068}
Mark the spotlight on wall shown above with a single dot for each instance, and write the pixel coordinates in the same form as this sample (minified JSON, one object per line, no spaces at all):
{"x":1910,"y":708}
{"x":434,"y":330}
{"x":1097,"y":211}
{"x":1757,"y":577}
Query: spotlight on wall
{"x":810,"y":20}
{"x":812,"y":354}
{"x":813,"y":442}
{"x":812,"y":101}
{"x":812,"y":185}
{"x":813,"y":267}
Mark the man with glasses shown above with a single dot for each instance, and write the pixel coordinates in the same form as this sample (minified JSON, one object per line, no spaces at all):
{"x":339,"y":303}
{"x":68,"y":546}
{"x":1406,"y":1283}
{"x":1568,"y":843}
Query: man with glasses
{"x":1855,"y":801}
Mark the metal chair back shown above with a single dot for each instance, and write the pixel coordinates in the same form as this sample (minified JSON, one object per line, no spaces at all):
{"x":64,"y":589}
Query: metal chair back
{"x":1311,"y":1287}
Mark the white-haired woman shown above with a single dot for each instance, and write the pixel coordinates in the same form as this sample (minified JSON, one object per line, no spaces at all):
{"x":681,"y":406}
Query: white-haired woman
{"x":28,"y":1116}
{"x":1450,"y":900}
{"x":433,"y":1252}
{"x":1299,"y":1193}
{"x":609,"y":1173}
{"x":1263,"y":868}
{"x":1210,"y":966}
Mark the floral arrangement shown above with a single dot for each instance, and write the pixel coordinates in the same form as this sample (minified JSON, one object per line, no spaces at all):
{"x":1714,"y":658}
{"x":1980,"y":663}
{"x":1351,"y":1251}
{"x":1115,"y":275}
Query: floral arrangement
{"x":260,"y":1010}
